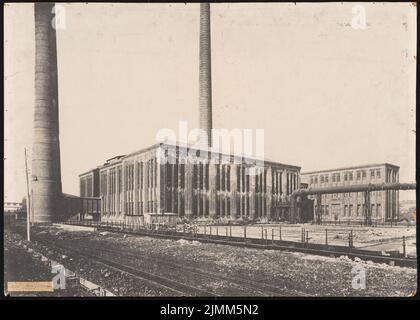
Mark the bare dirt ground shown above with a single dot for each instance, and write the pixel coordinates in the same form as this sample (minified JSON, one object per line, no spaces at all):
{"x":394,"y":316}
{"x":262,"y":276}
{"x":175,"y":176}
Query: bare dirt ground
{"x":293,"y":274}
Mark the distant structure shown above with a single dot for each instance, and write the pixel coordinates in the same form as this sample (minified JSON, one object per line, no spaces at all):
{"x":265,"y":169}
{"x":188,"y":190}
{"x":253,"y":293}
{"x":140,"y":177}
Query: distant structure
{"x":46,"y":171}
{"x":12,"y":207}
{"x":205,"y":94}
{"x":12,"y":211}
{"x":350,"y":206}
{"x":160,"y":179}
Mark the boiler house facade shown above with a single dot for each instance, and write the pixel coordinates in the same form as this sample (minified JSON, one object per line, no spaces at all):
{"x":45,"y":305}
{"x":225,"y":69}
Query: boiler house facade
{"x":164,"y":178}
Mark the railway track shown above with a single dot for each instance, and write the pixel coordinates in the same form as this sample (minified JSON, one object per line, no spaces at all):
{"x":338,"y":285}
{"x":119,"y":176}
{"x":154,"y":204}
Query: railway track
{"x":388,"y":241}
{"x":311,"y":248}
{"x":253,"y":285}
{"x":157,"y":280}
{"x":240,"y":283}
{"x":114,"y":259}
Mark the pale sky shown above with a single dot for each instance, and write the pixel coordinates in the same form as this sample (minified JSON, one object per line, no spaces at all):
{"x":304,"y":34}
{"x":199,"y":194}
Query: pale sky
{"x":326,"y":94}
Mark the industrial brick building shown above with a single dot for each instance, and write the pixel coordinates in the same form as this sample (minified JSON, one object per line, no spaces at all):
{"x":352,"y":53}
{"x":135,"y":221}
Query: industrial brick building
{"x":163,"y":179}
{"x":350,"y":206}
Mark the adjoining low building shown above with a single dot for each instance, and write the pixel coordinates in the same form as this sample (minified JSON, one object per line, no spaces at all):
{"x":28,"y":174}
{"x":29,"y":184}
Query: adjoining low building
{"x":12,"y":211}
{"x":12,"y":207}
{"x":350,"y":206}
{"x":164,"y":179}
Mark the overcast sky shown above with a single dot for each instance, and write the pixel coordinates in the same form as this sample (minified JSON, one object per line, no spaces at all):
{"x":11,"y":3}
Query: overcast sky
{"x":326,"y":94}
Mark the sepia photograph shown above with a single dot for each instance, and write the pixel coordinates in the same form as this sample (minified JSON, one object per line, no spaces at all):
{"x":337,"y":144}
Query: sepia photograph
{"x":210,"y":150}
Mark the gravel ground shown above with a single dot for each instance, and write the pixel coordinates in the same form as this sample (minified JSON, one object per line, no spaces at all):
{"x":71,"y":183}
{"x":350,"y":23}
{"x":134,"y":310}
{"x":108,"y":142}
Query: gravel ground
{"x":20,"y":265}
{"x":313,"y":275}
{"x":293,"y":272}
{"x":118,"y":283}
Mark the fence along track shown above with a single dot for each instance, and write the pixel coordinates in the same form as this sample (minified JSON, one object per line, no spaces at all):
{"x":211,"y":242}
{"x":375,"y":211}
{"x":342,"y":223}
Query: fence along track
{"x":308,"y":248}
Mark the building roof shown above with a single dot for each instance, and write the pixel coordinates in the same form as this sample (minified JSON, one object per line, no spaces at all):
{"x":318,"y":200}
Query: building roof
{"x":90,"y":171}
{"x":214,"y":150}
{"x":184,"y":145}
{"x":352,"y":168}
{"x":115,"y":158}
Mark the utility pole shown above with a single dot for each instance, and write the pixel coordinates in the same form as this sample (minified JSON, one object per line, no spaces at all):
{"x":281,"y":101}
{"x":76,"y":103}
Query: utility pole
{"x":28,"y":202}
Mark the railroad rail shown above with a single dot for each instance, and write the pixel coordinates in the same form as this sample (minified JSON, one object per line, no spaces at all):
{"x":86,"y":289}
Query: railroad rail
{"x":113,"y":257}
{"x":264,"y":288}
{"x":169,"y":284}
{"x":303,"y":247}
{"x":95,"y":254}
{"x":243,"y":286}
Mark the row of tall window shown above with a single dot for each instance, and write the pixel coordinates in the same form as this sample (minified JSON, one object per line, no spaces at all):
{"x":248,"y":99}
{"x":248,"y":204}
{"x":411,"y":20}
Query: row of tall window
{"x":242,"y":179}
{"x":86,"y":186}
{"x":351,"y":195}
{"x":134,"y":178}
{"x":173,"y":176}
{"x":138,"y":178}
{"x":277,"y":182}
{"x":261,"y":182}
{"x":351,"y":210}
{"x":200,"y":178}
{"x":347,"y":176}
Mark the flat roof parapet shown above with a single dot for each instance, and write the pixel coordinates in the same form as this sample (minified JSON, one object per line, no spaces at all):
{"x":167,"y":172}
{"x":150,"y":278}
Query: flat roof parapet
{"x":170,"y":144}
{"x":352,"y":168}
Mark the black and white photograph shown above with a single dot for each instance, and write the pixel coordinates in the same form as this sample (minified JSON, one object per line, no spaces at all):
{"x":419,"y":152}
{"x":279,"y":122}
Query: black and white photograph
{"x":210,"y":150}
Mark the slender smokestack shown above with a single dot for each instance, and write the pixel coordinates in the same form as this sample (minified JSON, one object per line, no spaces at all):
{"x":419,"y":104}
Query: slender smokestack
{"x":46,"y":172}
{"x":205,"y":71}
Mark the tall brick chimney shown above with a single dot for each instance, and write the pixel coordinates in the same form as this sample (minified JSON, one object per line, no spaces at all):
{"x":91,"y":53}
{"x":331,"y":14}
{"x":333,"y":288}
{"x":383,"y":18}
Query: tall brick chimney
{"x":46,"y":171}
{"x":205,"y":120}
